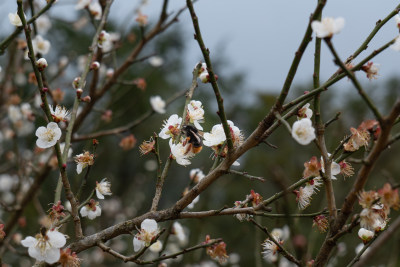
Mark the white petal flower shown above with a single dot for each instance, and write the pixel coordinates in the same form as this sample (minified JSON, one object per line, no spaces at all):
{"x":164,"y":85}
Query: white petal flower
{"x":103,"y":188}
{"x":215,"y":137}
{"x":40,"y":45}
{"x":59,"y":113}
{"x":365,"y":235}
{"x":48,"y":137}
{"x":270,"y":249}
{"x":45,"y":246}
{"x":396,"y":45}
{"x":171,"y":127}
{"x":305,"y":112}
{"x":91,"y":210}
{"x":180,"y":153}
{"x":95,"y":10}
{"x":15,"y":19}
{"x":335,"y":168}
{"x":178,"y":231}
{"x":327,"y":27}
{"x":83,"y":160}
{"x":195,"y":113}
{"x":156,"y":247}
{"x":303,"y":131}
{"x":148,"y":231}
{"x":43,"y":24}
{"x":158,"y":104}
{"x":156,"y":61}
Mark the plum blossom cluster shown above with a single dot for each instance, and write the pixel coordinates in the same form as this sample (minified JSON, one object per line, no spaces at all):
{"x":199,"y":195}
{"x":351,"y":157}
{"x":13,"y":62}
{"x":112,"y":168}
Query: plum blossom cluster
{"x":376,"y":209}
{"x":92,"y":209}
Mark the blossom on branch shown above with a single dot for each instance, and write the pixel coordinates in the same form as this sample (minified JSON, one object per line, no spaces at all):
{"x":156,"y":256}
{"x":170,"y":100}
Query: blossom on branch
{"x":195,"y":113}
{"x":45,"y":246}
{"x":365,"y":235}
{"x":91,"y":210}
{"x":15,"y":19}
{"x":83,"y":160}
{"x":271,"y":249}
{"x":48,"y":136}
{"x":217,"y":251}
{"x":41,"y":45}
{"x":103,"y":189}
{"x":181,"y":153}
{"x":59,"y":113}
{"x":371,"y":69}
{"x":158,"y":104}
{"x":147,"y":233}
{"x":305,"y":112}
{"x":327,"y":27}
{"x":171,"y":127}
{"x":303,"y":131}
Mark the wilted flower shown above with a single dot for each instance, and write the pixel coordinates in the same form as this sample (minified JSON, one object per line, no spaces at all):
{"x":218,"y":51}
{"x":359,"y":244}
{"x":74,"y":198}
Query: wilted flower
{"x":374,"y":218}
{"x":83,"y":160}
{"x":346,"y":169}
{"x":59,"y":113}
{"x":389,"y":197}
{"x":91,"y":210}
{"x":128,"y":142}
{"x":327,"y":27}
{"x":69,"y":259}
{"x":367,"y":198}
{"x":321,"y":222}
{"x":147,"y":233}
{"x":312,"y":168}
{"x":45,"y":246}
{"x":48,"y":136}
{"x":147,"y":146}
{"x":171,"y":127}
{"x":103,"y":188}
{"x":140,"y":83}
{"x":303,"y":196}
{"x":217,"y":251}
{"x":303,"y":131}
{"x":359,"y":137}
{"x":371,"y":69}
{"x":158,"y":104}
{"x":271,"y":249}
{"x":256,"y":198}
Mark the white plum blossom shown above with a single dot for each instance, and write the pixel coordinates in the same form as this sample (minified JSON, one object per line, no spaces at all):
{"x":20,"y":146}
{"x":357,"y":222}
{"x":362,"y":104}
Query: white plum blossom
{"x":335,"y":168}
{"x":171,"y":127}
{"x":158,"y":104}
{"x":103,"y":189}
{"x":365,"y":235}
{"x":304,"y":196}
{"x":156,"y":61}
{"x":43,"y":24}
{"x":270,"y":249}
{"x":195,"y":113}
{"x":215,"y":137}
{"x":156,"y":246}
{"x":48,"y":136}
{"x":396,"y":45}
{"x":372,"y":70}
{"x":327,"y":27}
{"x":148,"y":231}
{"x":15,"y":19}
{"x":41,"y":45}
{"x":59,"y":113}
{"x":83,"y":160}
{"x":303,"y":131}
{"x":180,"y":153}
{"x":91,"y":210}
{"x":95,"y":10}
{"x":105,"y":41}
{"x":45,"y":246}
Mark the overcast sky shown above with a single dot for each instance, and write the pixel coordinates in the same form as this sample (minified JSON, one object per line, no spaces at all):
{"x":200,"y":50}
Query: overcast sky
{"x":260,"y":37}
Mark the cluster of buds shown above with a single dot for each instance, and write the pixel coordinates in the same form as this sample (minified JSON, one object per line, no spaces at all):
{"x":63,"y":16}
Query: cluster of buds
{"x":217,"y":251}
{"x":361,"y":136}
{"x":56,"y":212}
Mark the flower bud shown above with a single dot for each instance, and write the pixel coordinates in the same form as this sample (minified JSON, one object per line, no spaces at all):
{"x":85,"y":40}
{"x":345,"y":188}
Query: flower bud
{"x":75,"y":83}
{"x":365,"y":235}
{"x":79,"y":92}
{"x":95,"y":65}
{"x":87,"y":99}
{"x":41,"y":63}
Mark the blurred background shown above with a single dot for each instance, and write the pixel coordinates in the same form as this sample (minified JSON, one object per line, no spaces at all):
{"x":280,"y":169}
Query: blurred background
{"x":252,"y":46}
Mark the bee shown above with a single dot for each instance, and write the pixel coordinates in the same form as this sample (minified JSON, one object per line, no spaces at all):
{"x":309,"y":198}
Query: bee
{"x":194,"y":137}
